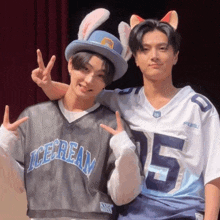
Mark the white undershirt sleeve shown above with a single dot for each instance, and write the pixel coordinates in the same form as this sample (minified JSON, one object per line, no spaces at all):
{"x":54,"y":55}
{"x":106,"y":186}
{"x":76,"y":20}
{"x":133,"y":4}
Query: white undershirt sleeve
{"x":125,"y":181}
{"x":7,"y":142}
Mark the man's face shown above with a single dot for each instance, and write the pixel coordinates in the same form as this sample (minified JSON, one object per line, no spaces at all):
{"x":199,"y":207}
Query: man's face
{"x":87,"y":82}
{"x":157,"y":57}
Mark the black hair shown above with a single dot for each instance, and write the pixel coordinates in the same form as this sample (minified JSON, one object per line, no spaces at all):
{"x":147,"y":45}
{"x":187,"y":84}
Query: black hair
{"x":80,"y":59}
{"x":149,"y":25}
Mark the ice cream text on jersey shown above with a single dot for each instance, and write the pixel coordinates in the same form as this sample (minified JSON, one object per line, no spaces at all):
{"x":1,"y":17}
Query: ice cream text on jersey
{"x":64,"y":151}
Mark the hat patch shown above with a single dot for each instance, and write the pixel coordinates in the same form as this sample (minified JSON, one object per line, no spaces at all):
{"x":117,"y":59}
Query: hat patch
{"x":107,"y":42}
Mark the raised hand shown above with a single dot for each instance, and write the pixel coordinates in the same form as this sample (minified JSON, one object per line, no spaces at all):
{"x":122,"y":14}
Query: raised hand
{"x":42,"y":74}
{"x":120,"y":127}
{"x":6,"y":122}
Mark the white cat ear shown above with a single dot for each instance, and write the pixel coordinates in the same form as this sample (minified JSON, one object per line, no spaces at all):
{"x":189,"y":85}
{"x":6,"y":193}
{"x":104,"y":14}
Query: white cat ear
{"x":171,"y":18}
{"x":124,"y":31}
{"x":92,"y":20}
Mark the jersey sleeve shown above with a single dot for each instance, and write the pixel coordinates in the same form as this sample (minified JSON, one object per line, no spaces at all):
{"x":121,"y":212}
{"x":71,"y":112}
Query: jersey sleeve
{"x":211,"y":132}
{"x":127,"y":167}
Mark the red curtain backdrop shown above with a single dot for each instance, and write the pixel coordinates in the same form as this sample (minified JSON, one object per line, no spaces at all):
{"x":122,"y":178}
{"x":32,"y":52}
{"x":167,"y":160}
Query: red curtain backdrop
{"x":24,"y":27}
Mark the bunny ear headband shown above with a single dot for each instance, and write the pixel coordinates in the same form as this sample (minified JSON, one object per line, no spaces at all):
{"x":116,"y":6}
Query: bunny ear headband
{"x":101,"y":42}
{"x":171,"y":18}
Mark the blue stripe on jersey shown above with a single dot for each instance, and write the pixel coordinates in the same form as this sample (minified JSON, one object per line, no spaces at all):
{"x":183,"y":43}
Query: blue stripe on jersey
{"x":152,"y":204}
{"x":190,"y":185}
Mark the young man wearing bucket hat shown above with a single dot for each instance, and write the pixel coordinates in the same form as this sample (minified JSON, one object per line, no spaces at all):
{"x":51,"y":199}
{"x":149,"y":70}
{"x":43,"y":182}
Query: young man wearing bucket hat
{"x":73,"y":168}
{"x":178,"y":131}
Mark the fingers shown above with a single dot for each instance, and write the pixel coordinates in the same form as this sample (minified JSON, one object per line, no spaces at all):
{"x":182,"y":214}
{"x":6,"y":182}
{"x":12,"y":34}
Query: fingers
{"x":6,"y":122}
{"x":120,"y":127}
{"x":6,"y":116}
{"x":109,"y":129}
{"x":47,"y":70}
{"x":40,"y":60}
{"x":18,"y":122}
{"x":51,"y":64}
{"x":35,"y":77}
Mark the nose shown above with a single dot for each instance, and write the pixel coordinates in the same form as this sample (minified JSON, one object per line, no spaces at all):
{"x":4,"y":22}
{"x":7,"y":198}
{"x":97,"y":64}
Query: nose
{"x":154,"y":54}
{"x":89,"y":78}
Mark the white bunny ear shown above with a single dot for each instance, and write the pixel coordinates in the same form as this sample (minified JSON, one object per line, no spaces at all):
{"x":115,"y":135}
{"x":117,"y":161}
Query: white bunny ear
{"x":91,"y":22}
{"x":124,"y":31}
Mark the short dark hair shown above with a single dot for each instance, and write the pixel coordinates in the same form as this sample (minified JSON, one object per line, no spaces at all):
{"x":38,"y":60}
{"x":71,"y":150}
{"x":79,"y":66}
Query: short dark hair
{"x":149,"y":25}
{"x":80,"y":59}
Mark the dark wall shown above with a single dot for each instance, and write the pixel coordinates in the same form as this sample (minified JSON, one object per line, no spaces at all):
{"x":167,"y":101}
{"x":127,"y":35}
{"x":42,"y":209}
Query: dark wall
{"x":25,"y":27}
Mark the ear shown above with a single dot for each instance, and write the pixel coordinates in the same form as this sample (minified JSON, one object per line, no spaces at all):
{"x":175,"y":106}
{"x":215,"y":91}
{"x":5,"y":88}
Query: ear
{"x":124,"y":31}
{"x":176,"y":57}
{"x":136,"y":61}
{"x":92,"y":20}
{"x":171,"y":18}
{"x":135,"y":20}
{"x":70,"y":66}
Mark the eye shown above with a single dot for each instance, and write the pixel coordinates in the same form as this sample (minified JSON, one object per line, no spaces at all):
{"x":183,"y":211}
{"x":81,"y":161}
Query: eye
{"x":163,"y":48}
{"x":145,"y":49}
{"x":101,"y":76}
{"x":85,"y":69}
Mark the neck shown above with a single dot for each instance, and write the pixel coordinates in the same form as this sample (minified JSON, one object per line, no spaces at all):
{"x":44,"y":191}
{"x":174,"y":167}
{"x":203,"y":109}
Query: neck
{"x":76,"y":104}
{"x":159,"y":93}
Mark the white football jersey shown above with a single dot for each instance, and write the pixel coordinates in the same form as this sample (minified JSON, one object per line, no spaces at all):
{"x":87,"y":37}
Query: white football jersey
{"x":179,"y":150}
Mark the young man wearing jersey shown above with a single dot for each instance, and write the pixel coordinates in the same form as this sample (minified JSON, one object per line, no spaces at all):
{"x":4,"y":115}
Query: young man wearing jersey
{"x":178,"y":131}
{"x":73,"y":168}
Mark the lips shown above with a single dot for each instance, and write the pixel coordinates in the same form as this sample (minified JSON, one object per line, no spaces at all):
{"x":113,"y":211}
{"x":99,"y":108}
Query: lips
{"x":155,"y":66}
{"x":84,"y":88}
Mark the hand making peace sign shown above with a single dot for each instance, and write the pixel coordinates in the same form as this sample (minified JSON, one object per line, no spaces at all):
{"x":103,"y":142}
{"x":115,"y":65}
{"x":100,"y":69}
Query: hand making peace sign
{"x":42,"y":75}
{"x":12,"y":127}
{"x":120,"y":127}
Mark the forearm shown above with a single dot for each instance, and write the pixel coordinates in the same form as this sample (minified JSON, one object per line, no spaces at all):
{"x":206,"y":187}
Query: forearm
{"x":212,"y":202}
{"x":7,"y":143}
{"x":55,"y":90}
{"x":125,"y":182}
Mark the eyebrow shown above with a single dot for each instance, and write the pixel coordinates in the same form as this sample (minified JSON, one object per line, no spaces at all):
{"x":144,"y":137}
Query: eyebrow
{"x":101,"y":70}
{"x":159,"y":44}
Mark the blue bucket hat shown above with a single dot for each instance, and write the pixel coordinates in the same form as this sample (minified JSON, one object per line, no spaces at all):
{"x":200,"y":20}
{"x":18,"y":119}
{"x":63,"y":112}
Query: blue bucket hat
{"x":103,"y":43}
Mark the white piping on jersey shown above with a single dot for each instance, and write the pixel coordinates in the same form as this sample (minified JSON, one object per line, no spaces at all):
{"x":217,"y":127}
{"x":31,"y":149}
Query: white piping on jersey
{"x":180,"y":95}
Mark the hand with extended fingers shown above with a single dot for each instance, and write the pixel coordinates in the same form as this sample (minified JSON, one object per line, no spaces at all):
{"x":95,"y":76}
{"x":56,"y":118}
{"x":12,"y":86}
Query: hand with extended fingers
{"x":120,"y":127}
{"x":42,"y":75}
{"x":6,"y":122}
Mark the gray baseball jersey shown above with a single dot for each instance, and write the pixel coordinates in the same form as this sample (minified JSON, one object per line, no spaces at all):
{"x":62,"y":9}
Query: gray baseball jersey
{"x":66,"y":165}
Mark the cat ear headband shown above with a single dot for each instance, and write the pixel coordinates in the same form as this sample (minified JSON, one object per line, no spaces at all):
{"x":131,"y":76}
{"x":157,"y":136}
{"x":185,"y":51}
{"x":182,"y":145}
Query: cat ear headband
{"x":102,"y":42}
{"x":171,"y":17}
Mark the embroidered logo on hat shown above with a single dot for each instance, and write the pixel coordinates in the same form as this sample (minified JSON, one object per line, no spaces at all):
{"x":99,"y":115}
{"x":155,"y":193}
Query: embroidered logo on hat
{"x":107,"y":42}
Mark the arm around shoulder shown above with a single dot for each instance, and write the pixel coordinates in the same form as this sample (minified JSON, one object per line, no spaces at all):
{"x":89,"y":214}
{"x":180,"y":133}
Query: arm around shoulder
{"x":55,"y":90}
